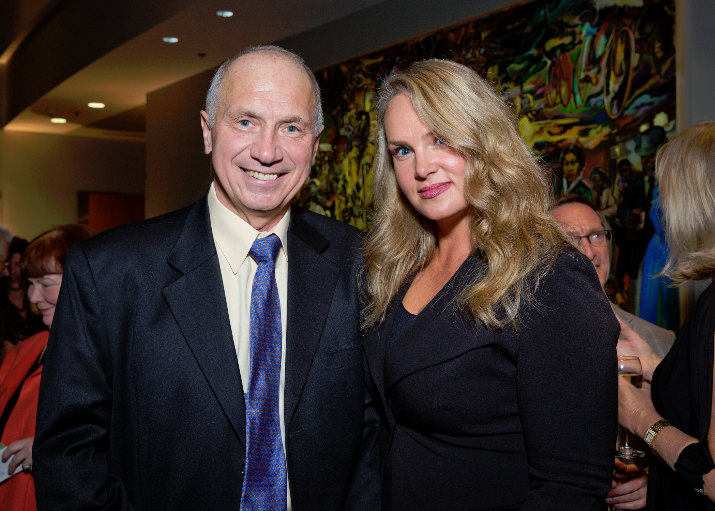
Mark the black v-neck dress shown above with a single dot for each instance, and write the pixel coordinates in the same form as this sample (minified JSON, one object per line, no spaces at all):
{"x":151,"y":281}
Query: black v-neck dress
{"x":476,"y":418}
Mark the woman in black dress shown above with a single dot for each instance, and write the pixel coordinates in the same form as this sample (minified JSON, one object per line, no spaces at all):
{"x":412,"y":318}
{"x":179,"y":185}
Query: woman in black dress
{"x":676,"y":422}
{"x":490,"y":345}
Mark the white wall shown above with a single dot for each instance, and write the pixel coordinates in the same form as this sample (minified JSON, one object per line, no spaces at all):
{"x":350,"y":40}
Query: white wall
{"x":178,"y":172}
{"x":40,"y":175}
{"x":695,"y":60}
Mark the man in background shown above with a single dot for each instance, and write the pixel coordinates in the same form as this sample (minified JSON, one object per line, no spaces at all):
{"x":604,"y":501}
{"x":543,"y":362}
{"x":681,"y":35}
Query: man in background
{"x":210,"y":359}
{"x":590,"y":234}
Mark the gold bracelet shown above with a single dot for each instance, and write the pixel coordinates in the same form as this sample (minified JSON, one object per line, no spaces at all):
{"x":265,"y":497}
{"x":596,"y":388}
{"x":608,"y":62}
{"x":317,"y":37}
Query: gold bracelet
{"x":653,"y":431}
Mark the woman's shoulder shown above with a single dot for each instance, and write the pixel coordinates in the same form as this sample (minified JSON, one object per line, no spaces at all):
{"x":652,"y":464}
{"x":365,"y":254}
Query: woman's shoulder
{"x":569,"y":261}
{"x":571,"y":284}
{"x":705,"y":306}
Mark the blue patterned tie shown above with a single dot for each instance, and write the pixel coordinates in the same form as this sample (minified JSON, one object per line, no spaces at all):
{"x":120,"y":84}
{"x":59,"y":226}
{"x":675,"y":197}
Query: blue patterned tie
{"x":264,"y":482}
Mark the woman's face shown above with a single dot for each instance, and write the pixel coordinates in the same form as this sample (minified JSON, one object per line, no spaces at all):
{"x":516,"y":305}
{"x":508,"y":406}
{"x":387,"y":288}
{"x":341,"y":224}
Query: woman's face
{"x":43,"y":292}
{"x":570,"y":167}
{"x":429,"y":173}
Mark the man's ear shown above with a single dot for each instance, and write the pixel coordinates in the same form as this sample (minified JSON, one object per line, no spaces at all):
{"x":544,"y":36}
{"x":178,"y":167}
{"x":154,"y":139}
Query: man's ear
{"x":316,"y":144}
{"x":206,"y":132}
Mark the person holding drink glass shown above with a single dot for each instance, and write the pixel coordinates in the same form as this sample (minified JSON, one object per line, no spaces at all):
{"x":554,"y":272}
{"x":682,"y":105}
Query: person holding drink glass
{"x":494,"y":390}
{"x":589,"y":232}
{"x":674,"y":414}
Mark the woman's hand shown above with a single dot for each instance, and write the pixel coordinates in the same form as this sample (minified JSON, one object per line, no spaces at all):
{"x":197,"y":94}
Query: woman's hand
{"x":629,"y":495}
{"x":636,"y":412}
{"x":630,"y":343}
{"x":21,"y":452}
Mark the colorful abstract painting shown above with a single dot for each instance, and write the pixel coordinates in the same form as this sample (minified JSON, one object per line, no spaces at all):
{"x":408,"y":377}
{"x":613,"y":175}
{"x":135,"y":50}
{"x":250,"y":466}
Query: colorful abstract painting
{"x":596,"y":74}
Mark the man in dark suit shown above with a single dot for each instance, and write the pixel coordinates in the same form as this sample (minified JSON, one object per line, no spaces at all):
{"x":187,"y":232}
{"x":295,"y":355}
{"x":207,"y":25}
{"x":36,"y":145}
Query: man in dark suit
{"x":146,"y":396}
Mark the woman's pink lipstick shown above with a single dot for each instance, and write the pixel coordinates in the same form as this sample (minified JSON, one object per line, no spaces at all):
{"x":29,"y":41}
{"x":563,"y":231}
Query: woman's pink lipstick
{"x":432,"y":191}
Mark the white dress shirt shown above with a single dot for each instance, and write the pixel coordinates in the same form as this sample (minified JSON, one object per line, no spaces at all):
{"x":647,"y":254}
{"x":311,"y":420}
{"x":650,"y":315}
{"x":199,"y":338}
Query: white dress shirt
{"x":233,"y":238}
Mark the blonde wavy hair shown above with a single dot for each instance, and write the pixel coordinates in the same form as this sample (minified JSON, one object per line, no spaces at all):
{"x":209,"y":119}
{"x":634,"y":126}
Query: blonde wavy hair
{"x":685,"y":167}
{"x":508,"y":193}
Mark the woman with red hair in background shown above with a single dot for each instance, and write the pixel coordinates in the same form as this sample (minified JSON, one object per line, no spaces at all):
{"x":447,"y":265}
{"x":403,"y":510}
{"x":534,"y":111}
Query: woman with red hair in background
{"x":21,"y":369}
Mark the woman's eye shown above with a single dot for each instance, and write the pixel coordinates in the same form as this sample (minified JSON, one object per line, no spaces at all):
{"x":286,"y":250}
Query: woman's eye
{"x":401,"y":151}
{"x":438,"y":141}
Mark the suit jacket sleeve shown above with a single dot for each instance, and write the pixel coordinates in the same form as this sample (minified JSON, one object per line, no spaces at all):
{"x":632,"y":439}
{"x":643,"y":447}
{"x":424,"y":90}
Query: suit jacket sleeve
{"x":364,"y":491}
{"x":71,"y":465}
{"x":567,"y":389}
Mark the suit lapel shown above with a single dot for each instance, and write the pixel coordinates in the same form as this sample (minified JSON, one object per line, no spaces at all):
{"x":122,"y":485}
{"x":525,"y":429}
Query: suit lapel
{"x":198,"y":303}
{"x":311,"y":285}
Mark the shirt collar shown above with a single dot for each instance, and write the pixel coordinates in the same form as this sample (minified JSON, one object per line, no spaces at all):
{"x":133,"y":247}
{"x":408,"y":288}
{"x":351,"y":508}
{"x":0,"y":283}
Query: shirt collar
{"x":234,"y":236}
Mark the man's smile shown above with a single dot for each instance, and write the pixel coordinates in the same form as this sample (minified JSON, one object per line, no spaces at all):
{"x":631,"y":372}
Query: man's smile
{"x":261,"y":176}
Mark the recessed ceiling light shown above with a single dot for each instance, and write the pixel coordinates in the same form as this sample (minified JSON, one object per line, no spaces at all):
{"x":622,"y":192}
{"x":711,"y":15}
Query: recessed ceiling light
{"x":58,"y":120}
{"x":95,"y":104}
{"x":224,"y":14}
{"x":170,"y":40}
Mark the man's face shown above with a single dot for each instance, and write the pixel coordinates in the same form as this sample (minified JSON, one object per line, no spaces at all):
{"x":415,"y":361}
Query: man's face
{"x":263,"y":140}
{"x":580,"y":220}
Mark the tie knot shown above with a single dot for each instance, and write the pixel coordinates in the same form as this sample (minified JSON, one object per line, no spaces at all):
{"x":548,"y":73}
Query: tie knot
{"x":266,"y":249}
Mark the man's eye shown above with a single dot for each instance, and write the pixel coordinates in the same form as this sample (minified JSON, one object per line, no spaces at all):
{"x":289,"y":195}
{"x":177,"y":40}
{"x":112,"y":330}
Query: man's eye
{"x":292,"y":129}
{"x":244,"y":123}
{"x":596,"y":236}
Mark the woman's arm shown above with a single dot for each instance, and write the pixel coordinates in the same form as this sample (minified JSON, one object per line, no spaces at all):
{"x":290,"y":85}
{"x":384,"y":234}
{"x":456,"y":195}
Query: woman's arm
{"x":637,"y":413}
{"x":567,"y":393}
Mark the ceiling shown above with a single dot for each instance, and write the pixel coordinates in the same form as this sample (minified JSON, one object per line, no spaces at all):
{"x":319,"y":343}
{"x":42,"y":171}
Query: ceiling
{"x":122,"y":65}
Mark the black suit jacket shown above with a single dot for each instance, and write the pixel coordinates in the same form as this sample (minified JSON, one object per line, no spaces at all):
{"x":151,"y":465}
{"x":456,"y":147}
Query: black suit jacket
{"x":141,"y":404}
{"x":476,"y":418}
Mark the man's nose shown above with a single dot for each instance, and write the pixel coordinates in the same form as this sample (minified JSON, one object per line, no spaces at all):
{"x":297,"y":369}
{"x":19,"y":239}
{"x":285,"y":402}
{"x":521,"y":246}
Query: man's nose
{"x":585,"y":247}
{"x":266,"y":149}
